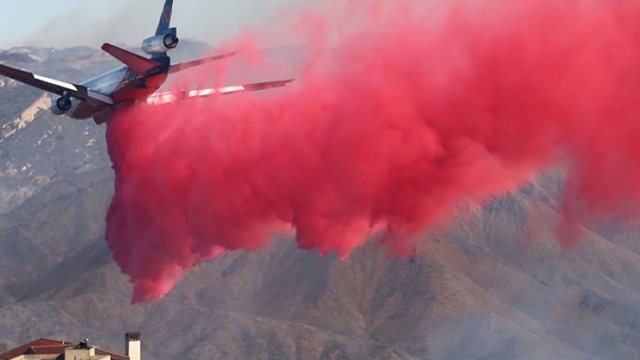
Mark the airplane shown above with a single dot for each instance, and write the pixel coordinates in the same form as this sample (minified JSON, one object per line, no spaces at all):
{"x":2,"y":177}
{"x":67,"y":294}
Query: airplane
{"x":140,"y":79}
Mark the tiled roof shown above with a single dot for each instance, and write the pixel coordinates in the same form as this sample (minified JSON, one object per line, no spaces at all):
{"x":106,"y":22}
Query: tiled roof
{"x":48,"y":349}
{"x":20,"y":350}
{"x":51,"y":347}
{"x":114,"y":356}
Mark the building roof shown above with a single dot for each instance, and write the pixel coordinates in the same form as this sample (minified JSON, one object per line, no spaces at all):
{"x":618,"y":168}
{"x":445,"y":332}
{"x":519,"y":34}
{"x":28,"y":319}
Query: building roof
{"x":114,"y":356}
{"x":37,"y":344}
{"x":51,"y":347}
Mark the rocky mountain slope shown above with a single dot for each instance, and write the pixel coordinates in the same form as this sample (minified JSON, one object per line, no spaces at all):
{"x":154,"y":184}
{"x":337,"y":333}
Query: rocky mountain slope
{"x":494,"y":285}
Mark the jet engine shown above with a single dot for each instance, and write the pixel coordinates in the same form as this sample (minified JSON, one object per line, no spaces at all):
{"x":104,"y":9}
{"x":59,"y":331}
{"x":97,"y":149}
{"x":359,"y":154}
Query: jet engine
{"x":64,"y":105}
{"x":160,"y":43}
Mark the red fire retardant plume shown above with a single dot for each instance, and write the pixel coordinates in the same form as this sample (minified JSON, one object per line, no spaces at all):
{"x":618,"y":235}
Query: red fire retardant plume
{"x":414,"y":110}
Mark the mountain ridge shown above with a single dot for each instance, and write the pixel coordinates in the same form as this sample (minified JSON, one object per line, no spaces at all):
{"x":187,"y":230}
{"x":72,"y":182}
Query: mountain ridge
{"x":493,"y":284}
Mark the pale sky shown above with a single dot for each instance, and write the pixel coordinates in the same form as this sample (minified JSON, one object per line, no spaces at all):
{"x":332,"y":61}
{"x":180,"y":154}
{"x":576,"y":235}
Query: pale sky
{"x":64,"y":23}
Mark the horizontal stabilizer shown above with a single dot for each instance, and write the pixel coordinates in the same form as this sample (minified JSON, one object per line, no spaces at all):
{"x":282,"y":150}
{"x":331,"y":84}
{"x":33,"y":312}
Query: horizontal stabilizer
{"x":56,"y":86}
{"x":167,"y":97}
{"x":189,"y":64}
{"x":136,"y":62}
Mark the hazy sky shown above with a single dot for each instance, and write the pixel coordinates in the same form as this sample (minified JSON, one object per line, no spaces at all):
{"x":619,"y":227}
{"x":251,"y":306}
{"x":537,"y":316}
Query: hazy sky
{"x":64,"y":23}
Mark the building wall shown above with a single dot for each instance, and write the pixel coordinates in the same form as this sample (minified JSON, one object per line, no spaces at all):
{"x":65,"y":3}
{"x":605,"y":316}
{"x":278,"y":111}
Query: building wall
{"x":84,"y":354}
{"x":134,"y":350}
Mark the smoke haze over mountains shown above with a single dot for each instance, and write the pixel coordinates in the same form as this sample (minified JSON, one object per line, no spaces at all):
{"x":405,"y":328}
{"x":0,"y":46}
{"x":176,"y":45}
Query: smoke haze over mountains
{"x":130,"y":21}
{"x":480,"y":289}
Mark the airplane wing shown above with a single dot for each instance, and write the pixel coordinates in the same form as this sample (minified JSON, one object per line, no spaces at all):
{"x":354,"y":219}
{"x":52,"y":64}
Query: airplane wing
{"x":167,"y":97}
{"x":189,"y":64}
{"x":56,"y":86}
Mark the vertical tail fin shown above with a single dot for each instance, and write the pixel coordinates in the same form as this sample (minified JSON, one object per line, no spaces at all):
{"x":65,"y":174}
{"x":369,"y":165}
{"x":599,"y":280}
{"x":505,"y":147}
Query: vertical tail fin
{"x":165,"y":18}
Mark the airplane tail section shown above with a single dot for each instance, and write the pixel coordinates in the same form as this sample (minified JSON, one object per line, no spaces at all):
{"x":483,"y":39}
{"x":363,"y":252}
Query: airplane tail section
{"x":165,"y":39}
{"x":165,"y":18}
{"x":136,"y":62}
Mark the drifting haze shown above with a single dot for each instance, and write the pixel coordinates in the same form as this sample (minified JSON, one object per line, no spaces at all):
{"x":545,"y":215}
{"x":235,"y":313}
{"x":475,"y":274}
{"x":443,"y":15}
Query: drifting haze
{"x":91,"y":23}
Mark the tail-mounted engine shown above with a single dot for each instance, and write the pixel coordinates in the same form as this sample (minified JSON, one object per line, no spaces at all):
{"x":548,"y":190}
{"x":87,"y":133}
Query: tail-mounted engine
{"x":161,"y":43}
